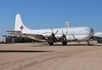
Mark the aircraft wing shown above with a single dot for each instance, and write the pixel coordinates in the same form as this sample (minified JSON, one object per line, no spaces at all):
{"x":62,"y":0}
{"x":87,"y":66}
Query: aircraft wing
{"x":14,"y":31}
{"x":32,"y":36}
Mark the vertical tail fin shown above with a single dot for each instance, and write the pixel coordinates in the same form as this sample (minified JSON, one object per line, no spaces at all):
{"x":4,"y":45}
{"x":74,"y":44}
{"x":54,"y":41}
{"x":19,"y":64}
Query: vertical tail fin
{"x":19,"y":26}
{"x":67,"y":25}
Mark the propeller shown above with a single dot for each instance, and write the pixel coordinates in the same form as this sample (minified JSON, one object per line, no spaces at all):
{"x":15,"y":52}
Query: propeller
{"x":64,"y":35}
{"x":53,"y":35}
{"x":74,"y":37}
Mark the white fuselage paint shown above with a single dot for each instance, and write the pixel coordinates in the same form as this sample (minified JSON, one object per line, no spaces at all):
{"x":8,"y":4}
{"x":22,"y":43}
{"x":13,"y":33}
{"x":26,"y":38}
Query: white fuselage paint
{"x":79,"y":33}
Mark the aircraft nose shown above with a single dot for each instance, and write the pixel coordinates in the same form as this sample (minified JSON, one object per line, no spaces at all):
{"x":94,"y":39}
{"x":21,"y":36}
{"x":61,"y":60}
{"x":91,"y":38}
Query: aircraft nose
{"x":89,"y":30}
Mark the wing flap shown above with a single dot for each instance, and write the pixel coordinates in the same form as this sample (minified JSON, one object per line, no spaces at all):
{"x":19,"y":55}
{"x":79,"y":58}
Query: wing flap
{"x":14,"y":31}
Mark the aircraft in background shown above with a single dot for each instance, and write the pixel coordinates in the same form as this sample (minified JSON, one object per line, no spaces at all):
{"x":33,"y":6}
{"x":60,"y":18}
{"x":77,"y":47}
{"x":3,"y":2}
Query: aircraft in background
{"x":97,"y":36}
{"x":50,"y":35}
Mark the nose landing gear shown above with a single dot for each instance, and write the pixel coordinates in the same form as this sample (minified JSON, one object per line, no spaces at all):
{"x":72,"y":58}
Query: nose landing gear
{"x":88,"y":43}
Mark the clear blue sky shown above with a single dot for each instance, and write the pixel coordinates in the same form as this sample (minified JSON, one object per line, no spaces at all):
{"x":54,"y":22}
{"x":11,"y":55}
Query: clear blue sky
{"x":38,"y":14}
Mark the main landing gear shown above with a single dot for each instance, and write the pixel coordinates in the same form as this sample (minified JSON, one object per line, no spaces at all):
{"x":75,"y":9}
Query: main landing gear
{"x":88,"y":43}
{"x":64,"y":41}
{"x":50,"y":41}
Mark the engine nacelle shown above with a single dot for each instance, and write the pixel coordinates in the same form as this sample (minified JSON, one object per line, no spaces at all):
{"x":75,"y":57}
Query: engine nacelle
{"x":59,"y":36}
{"x":47,"y":34}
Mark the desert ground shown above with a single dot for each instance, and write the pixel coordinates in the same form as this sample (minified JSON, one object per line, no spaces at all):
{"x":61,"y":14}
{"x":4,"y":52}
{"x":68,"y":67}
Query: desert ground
{"x":40,"y":56}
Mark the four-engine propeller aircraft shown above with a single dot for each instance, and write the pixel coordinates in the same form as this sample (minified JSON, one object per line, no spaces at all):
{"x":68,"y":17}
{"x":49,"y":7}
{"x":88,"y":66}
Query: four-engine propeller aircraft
{"x":51,"y":36}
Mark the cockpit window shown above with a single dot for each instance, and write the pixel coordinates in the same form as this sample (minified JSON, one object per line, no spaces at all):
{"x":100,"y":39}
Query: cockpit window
{"x":92,"y":30}
{"x":89,"y":29}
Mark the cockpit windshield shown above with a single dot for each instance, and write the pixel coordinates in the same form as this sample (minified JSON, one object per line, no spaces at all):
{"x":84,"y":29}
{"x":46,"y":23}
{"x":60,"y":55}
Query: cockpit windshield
{"x":89,"y":29}
{"x":92,"y":30}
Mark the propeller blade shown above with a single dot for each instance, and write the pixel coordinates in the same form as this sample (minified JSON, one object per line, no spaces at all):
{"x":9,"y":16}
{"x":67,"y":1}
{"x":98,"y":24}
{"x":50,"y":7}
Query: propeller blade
{"x":64,"y":36}
{"x":62,"y":32}
{"x":66,"y":32}
{"x":74,"y":37}
{"x":56,"y":32}
{"x":52,"y":30}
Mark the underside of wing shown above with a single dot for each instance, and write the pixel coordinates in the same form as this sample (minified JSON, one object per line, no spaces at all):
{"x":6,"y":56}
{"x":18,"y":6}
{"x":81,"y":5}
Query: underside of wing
{"x":32,"y":36}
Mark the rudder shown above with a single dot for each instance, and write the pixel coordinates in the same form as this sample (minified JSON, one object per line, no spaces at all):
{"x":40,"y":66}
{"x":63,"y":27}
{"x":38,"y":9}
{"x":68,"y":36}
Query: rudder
{"x":19,"y":26}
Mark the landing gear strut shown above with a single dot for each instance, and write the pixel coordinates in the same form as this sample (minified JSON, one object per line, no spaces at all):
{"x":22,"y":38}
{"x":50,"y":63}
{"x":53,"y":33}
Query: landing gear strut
{"x":88,"y":43}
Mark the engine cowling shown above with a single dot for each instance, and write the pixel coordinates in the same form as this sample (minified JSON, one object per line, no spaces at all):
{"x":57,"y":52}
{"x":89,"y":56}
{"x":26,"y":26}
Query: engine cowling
{"x":47,"y":34}
{"x":59,"y":35}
